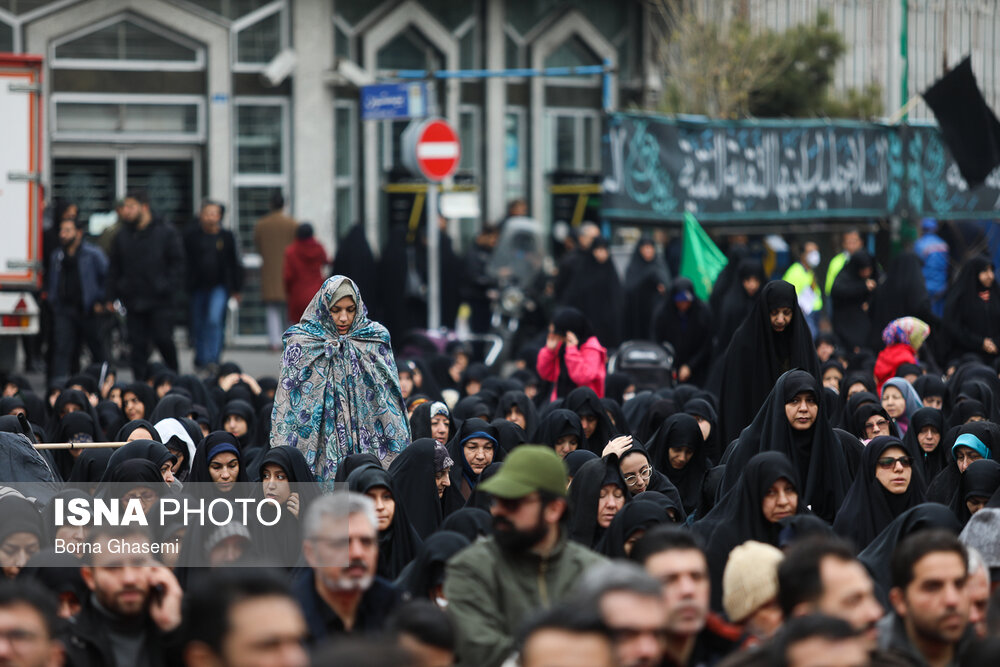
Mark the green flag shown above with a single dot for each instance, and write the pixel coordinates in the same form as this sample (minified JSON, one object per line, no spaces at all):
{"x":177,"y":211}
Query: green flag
{"x":702,"y":261}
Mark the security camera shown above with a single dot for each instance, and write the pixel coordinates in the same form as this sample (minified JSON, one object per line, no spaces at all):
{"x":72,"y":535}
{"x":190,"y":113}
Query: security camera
{"x":279,"y":69}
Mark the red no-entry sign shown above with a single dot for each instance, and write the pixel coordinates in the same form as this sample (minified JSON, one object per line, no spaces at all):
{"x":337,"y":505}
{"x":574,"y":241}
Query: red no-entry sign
{"x":437,"y":149}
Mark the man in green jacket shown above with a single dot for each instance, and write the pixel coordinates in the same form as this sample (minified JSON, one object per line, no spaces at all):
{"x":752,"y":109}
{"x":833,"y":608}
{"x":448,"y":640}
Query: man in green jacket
{"x":528,"y":564}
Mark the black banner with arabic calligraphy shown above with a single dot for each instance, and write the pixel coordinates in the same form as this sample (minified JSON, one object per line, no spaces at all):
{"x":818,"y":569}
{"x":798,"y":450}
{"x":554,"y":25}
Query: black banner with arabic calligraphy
{"x":657,"y":168}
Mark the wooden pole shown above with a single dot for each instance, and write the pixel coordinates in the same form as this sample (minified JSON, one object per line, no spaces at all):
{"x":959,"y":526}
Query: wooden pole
{"x":78,"y":445}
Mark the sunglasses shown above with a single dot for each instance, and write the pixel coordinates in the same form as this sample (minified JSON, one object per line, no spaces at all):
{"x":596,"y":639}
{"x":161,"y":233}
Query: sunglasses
{"x":889,"y":462}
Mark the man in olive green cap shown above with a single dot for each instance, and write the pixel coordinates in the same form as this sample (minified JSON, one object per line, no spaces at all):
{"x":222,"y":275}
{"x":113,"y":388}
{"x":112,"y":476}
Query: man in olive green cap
{"x":528,"y":564}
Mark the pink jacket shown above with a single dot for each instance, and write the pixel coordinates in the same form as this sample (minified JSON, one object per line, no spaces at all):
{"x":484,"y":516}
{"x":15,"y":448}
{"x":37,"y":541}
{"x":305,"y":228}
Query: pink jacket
{"x":587,"y":365}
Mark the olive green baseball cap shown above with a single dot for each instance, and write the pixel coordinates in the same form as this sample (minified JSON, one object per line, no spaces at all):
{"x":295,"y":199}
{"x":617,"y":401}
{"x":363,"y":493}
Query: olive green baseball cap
{"x":527,"y":469}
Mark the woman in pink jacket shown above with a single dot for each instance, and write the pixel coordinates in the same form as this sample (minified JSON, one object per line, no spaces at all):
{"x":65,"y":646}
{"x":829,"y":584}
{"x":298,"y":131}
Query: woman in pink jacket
{"x":572,"y":356}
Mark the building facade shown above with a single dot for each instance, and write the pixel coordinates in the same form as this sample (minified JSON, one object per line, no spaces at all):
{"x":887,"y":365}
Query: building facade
{"x":188,"y":98}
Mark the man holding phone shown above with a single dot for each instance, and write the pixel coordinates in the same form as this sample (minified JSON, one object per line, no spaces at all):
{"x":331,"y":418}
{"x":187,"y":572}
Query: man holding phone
{"x":134,"y":613}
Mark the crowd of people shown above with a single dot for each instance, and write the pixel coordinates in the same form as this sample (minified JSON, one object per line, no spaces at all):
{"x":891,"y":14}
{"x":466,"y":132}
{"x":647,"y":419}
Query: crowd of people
{"x":134,"y":271}
{"x":814,"y":483}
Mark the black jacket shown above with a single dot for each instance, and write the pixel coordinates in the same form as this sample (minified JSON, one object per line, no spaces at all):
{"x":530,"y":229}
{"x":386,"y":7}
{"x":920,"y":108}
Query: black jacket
{"x":146,"y":266}
{"x":376,"y":604}
{"x":213,"y":259}
{"x":88,"y":642}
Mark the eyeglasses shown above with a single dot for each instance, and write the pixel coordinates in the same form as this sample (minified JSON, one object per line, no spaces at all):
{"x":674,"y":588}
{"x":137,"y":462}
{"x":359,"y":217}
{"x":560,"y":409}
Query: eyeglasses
{"x":632,"y":479}
{"x":889,"y":462}
{"x":880,"y":425}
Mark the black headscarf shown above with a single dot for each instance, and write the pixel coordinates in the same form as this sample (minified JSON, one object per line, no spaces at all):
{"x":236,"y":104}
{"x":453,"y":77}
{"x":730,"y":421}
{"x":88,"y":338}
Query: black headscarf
{"x":88,"y":470}
{"x":701,"y":408}
{"x":643,"y":282}
{"x":524,"y":404}
{"x":471,"y":522}
{"x":981,"y":479}
{"x":145,"y":394}
{"x":689,"y":331}
{"x":929,"y":385}
{"x":282,"y":542}
{"x":903,"y":293}
{"x":420,"y":579}
{"x":420,"y":420}
{"x":19,"y":516}
{"x":657,"y":482}
{"x":174,"y":405}
{"x":658,"y":412}
{"x":139,"y":472}
{"x":73,"y":427}
{"x":968,"y":317}
{"x":147,"y":450}
{"x":203,"y":457}
{"x":74,"y":397}
{"x":869,"y":507}
{"x":575,"y":460}
{"x":734,"y":302}
{"x":468,"y":408}
{"x":584,"y":497}
{"x":866,"y":411}
{"x":398,"y":544}
{"x":509,"y":435}
{"x":10,"y":403}
{"x":877,"y":556}
{"x":943,"y":487}
{"x":129,"y":427}
{"x":615,"y":414}
{"x":636,"y":409}
{"x":855,"y":377}
{"x":583,"y":401}
{"x":615,"y":385}
{"x":352,"y":462}
{"x":758,"y":355}
{"x":670,"y":506}
{"x":455,"y":496}
{"x":816,"y":454}
{"x":241,"y":408}
{"x":413,"y":475}
{"x":934,"y":462}
{"x":558,"y":423}
{"x":851,"y":297}
{"x":634,"y":516}
{"x":738,"y":516}
{"x":597,"y":292}
{"x":681,"y":430}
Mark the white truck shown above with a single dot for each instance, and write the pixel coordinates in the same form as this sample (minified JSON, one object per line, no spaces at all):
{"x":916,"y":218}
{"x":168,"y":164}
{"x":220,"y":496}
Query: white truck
{"x":21,"y":201}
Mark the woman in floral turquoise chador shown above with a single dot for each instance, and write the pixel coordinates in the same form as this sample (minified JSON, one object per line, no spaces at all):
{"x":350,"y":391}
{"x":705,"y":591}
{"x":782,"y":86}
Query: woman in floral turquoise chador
{"x":338,"y":393}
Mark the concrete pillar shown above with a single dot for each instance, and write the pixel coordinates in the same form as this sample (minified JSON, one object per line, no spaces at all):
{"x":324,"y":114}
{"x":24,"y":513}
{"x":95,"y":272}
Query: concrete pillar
{"x":494,"y":134}
{"x":312,"y":118}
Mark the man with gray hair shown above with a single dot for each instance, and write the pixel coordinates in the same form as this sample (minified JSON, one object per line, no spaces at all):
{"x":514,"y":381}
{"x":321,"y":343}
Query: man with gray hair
{"x":979,"y":593}
{"x":340,"y":593}
{"x":631,"y":605}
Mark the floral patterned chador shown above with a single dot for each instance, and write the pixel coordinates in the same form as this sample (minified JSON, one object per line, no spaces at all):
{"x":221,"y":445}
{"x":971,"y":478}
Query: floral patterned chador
{"x":338,"y":395}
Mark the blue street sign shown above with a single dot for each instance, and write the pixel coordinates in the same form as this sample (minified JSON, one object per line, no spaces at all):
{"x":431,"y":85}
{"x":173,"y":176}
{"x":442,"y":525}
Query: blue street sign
{"x":393,"y":101}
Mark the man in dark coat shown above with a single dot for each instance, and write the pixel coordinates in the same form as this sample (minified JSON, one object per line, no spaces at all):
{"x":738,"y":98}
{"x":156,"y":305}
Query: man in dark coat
{"x":146,"y":265}
{"x":214,"y":274}
{"x":338,"y":597}
{"x":124,"y":623}
{"x":76,"y":284}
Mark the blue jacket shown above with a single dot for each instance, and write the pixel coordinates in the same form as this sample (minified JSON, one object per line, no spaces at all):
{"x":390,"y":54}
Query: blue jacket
{"x":93,"y":266}
{"x":934,"y":252}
